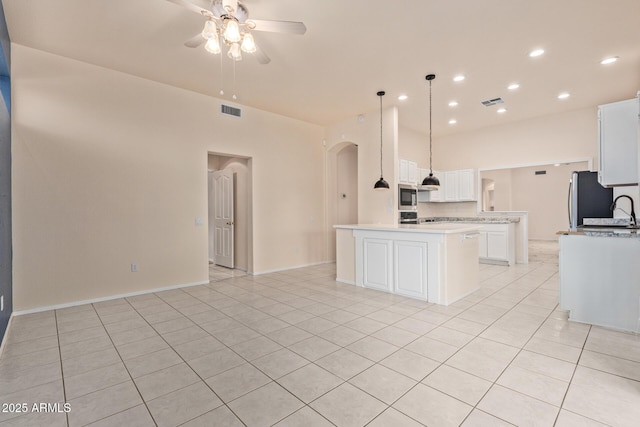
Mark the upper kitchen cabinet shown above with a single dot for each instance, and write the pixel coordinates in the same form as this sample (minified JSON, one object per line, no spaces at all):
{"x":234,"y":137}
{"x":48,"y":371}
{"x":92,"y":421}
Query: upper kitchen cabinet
{"x":455,"y":186}
{"x":618,"y":143}
{"x":466,"y":185}
{"x":408,"y":172}
{"x":451,"y":180}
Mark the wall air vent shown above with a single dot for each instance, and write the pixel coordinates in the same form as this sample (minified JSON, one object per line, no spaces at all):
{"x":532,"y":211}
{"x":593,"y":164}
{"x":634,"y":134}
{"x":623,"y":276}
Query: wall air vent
{"x":494,"y":101}
{"x":231,"y":111}
{"x":541,"y":172}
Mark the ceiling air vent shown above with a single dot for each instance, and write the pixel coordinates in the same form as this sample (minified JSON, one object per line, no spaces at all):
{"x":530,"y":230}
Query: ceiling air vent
{"x":493,"y":101}
{"x":231,"y":111}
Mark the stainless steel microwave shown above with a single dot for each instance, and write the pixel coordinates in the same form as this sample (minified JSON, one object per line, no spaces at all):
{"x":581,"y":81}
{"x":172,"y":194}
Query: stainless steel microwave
{"x":407,"y":197}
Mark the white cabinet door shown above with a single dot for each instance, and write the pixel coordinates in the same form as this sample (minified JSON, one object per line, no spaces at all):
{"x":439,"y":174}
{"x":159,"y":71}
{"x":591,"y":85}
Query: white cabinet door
{"x":450,"y":179}
{"x":412,"y":172}
{"x":466,"y":185}
{"x":618,"y":143}
{"x":497,"y":245}
{"x":403,"y":171}
{"x":378,"y":265}
{"x":410,"y":268}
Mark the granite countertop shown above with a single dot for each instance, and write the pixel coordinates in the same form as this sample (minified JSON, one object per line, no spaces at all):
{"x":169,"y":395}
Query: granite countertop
{"x":472,"y":219}
{"x":607,"y":222}
{"x":428,"y":228}
{"x":629,"y":233}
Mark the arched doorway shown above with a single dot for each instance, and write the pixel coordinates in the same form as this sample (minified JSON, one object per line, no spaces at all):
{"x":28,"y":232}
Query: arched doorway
{"x":342,"y":188}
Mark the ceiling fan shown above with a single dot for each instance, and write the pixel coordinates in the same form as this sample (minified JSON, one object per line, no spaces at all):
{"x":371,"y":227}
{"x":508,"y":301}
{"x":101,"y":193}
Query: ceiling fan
{"x":227,"y":22}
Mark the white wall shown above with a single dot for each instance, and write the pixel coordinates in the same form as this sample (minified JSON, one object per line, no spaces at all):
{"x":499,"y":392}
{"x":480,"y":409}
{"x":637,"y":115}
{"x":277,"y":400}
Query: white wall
{"x":111,"y":169}
{"x":544,"y":197}
{"x":555,"y":138}
{"x":373,"y":206}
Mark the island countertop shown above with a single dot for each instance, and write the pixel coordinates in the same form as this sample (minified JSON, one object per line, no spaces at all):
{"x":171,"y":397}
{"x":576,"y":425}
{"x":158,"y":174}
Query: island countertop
{"x":428,"y":228}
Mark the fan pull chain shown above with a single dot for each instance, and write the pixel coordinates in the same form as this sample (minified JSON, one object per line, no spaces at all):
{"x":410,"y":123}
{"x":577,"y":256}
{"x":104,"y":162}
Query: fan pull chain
{"x":221,"y":79}
{"x":234,"y":81}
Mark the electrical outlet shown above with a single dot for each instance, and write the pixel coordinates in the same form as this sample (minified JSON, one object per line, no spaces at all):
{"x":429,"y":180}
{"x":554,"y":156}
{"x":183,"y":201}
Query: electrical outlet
{"x":134,"y":268}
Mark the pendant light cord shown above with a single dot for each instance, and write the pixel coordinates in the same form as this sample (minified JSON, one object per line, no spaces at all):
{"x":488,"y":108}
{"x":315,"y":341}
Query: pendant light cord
{"x":430,"y":149}
{"x":381,"y":174}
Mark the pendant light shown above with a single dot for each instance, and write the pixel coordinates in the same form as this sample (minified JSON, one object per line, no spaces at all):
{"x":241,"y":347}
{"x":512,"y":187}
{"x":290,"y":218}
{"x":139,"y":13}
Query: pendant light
{"x":381,"y":184}
{"x":430,"y":182}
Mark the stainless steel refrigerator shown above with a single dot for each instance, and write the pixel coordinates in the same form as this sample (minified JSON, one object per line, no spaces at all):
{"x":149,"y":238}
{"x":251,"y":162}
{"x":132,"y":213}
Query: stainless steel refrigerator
{"x":587,"y":199}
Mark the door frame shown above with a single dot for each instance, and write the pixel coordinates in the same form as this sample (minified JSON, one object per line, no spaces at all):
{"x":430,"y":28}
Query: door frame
{"x":243,"y":235}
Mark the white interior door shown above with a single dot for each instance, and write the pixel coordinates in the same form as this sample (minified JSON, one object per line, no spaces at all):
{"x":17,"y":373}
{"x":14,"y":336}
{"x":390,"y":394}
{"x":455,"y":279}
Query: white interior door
{"x":210,"y":215}
{"x":223,"y":218}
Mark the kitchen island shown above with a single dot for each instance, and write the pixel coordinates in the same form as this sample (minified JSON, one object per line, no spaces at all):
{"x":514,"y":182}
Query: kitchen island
{"x":600,"y":277}
{"x":435,"y":262}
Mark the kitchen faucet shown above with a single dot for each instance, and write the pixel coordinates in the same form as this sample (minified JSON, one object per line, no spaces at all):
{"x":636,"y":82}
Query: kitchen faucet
{"x":633,"y":222}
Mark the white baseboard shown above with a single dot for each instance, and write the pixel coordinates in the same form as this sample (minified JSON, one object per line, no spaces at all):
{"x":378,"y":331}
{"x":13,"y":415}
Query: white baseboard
{"x":109,"y":298}
{"x":258,"y":273}
{"x":347,"y":282}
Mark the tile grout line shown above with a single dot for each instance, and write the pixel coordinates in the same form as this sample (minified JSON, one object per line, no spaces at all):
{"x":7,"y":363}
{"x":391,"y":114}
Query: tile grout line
{"x":64,"y":388}
{"x":126,"y":368}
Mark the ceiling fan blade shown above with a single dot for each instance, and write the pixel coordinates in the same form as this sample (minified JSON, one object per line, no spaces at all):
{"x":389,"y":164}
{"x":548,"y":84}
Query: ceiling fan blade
{"x":195,"y":41}
{"x":261,"y":56}
{"x":288,"y":27}
{"x":193,"y":7}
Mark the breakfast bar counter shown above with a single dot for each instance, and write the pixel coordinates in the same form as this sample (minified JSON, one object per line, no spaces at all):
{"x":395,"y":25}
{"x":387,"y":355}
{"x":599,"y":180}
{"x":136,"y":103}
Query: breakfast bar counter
{"x":436,"y":262}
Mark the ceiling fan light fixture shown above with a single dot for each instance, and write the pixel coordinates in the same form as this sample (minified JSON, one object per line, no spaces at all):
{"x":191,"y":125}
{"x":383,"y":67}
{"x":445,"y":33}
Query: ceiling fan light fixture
{"x":210,"y":30}
{"x":230,"y":5}
{"x":231,"y":32}
{"x":248,"y":43}
{"x":234,"y":52}
{"x":213,"y":46}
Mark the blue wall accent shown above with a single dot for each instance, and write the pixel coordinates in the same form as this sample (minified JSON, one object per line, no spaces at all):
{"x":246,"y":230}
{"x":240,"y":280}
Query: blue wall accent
{"x":6,"y":255}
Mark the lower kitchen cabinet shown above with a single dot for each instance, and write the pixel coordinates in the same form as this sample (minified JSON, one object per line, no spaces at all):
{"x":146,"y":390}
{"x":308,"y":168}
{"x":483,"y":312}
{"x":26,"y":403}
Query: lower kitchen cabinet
{"x":599,"y":280}
{"x":431,"y":262}
{"x":395,"y":266}
{"x":497,"y":244}
{"x":410,"y":268}
{"x":378,"y":266}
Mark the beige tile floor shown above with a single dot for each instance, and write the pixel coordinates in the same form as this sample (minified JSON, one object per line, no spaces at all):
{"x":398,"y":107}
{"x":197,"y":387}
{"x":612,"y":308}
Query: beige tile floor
{"x":298,"y":349}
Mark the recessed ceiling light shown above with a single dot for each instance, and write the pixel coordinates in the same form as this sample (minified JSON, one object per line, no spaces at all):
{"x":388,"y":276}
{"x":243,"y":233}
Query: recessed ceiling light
{"x":556,"y":164}
{"x":403,"y":97}
{"x":513,"y":86}
{"x":609,"y":60}
{"x":453,"y":121}
{"x":563,"y":95}
{"x":536,"y":52}
{"x":458,"y":78}
{"x":453,"y":104}
{"x":501,"y":110}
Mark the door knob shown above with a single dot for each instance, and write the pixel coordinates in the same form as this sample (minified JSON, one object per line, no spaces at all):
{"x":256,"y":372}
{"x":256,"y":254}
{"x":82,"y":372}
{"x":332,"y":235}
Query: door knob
{"x":230,"y":223}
